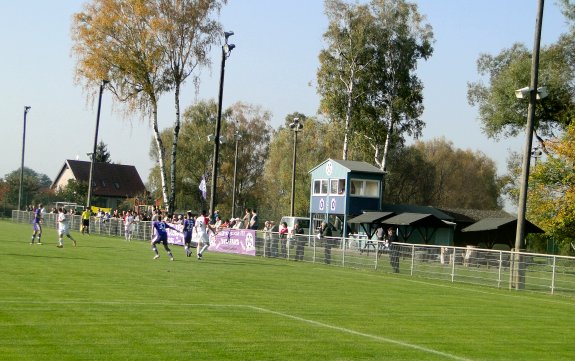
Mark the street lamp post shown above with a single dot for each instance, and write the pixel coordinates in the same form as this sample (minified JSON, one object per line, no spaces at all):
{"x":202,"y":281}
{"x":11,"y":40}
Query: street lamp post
{"x":296,"y":127}
{"x":238,"y":136}
{"x":519,"y":267}
{"x":226,"y":51}
{"x":93,"y":158}
{"x":26,"y":109}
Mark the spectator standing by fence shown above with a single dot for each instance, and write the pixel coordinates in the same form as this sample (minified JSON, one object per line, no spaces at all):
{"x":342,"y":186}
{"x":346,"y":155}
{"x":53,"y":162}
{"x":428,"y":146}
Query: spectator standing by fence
{"x":393,"y":249}
{"x":246,"y":219}
{"x":299,"y":241}
{"x":283,"y":233}
{"x":326,"y":235}
{"x":254,"y":220}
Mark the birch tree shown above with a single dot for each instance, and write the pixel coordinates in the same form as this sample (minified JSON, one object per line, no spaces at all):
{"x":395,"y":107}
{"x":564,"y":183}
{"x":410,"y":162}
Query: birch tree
{"x":367,"y":73}
{"x":144,"y":49}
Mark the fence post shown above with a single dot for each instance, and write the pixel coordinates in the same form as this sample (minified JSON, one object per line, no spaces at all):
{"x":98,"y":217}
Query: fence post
{"x":453,"y":264}
{"x":344,"y":244}
{"x":314,"y":249}
{"x":553,"y":275}
{"x":412,"y":259}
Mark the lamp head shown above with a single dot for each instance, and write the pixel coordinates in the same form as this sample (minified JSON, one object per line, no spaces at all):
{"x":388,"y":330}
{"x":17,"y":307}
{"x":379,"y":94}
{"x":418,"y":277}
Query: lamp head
{"x":227,"y":34}
{"x":522,"y":93}
{"x":542,"y":92}
{"x":296,"y":125}
{"x":27,"y":107}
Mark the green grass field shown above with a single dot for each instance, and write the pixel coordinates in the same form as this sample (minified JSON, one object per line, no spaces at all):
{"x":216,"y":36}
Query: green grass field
{"x":108,"y":300}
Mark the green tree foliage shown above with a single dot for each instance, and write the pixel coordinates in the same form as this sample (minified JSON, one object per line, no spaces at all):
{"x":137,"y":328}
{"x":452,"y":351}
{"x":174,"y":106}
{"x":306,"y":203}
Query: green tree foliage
{"x":367,"y":72}
{"x":551,"y":197}
{"x":343,"y":63}
{"x":187,"y":31}
{"x":435,"y":173}
{"x":503,"y":115}
{"x":196,"y":156}
{"x":74,"y":192}
{"x":144,"y":48}
{"x":316,"y":142}
{"x":102,"y":153}
{"x":35,"y":187}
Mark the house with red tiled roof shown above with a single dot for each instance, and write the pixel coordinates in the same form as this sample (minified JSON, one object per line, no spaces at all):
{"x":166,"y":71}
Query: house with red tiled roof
{"x":112,"y":184}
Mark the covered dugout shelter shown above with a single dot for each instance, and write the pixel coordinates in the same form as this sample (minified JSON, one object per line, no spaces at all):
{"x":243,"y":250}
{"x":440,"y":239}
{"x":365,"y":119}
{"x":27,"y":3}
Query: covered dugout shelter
{"x":342,"y":189}
{"x":415,"y":224}
{"x":490,"y":231}
{"x":421,"y":228}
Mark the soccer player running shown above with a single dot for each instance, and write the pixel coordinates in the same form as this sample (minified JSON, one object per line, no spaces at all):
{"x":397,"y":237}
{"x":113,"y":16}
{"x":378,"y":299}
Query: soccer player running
{"x":161,"y":228}
{"x":128,"y":225}
{"x":63,"y":228}
{"x":86,"y":221}
{"x":37,"y":224}
{"x":188,"y":230}
{"x":202,"y":225}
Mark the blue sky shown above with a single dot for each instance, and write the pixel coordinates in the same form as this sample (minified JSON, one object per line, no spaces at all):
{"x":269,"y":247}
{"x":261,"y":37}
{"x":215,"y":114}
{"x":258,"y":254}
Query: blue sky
{"x":274,"y":66}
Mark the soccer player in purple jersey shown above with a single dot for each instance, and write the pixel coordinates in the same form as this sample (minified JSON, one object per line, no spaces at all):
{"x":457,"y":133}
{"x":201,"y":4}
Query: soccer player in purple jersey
{"x":37,"y":224}
{"x":188,"y":230}
{"x":161,"y":227}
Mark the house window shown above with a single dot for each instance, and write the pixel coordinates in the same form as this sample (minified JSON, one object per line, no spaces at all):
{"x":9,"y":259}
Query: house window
{"x":103,"y":183}
{"x":364,"y":188}
{"x":320,"y":186}
{"x":116,"y":185}
{"x":337,"y":186}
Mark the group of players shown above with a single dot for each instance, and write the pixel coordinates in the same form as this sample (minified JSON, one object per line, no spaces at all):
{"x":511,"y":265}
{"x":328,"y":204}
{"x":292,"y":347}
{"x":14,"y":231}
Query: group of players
{"x":200,"y":225}
{"x":63,"y":226}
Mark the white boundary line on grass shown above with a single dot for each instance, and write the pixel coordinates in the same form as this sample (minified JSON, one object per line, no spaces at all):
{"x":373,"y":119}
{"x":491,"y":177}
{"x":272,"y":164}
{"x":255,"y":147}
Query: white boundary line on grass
{"x":357,"y":333}
{"x":255,"y":308}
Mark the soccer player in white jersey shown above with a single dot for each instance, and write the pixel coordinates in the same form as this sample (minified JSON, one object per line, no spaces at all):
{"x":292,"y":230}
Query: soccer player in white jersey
{"x":128,"y":225}
{"x":202,"y":226}
{"x":63,"y":228}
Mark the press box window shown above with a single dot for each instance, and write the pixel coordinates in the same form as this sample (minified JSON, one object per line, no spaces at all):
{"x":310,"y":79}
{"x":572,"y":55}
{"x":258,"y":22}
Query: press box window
{"x":320,"y":186}
{"x":364,"y":188}
{"x":337,"y":186}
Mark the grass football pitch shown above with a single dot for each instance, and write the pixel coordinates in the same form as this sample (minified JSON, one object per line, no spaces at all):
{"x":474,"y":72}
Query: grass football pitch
{"x":106,"y":299}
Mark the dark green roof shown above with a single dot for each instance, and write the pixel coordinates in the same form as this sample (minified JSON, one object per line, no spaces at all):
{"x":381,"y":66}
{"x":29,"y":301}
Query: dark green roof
{"x":474,"y":215}
{"x":408,"y":208}
{"x":416,"y":220}
{"x":370,"y":217}
{"x":492,"y":224}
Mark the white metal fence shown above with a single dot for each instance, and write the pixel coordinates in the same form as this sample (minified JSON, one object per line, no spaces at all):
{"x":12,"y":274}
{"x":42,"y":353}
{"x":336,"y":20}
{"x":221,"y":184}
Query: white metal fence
{"x":543,"y":273}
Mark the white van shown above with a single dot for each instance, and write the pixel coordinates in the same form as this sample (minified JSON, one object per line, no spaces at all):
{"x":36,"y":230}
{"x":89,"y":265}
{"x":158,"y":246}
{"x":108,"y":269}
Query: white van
{"x":303,"y":223}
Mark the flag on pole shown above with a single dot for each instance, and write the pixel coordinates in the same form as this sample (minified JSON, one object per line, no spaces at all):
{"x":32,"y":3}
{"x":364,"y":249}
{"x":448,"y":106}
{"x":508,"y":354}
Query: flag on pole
{"x":203,"y":188}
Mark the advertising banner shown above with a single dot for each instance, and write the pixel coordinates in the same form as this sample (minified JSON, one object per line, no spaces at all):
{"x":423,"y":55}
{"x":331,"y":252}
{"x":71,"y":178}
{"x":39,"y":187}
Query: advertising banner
{"x":229,"y":240}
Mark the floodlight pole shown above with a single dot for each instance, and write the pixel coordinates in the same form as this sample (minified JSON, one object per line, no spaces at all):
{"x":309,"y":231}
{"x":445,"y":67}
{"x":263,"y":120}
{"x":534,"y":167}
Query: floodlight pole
{"x":296,"y":127}
{"x":238,"y":136}
{"x":26,"y":109}
{"x":226,"y":51}
{"x":93,"y":158}
{"x":519,"y":267}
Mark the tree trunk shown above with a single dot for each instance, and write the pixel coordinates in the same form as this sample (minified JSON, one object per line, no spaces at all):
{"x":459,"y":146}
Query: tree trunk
{"x":383,"y":163}
{"x":348,"y":116}
{"x":172,"y":198}
{"x":161,"y":151}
